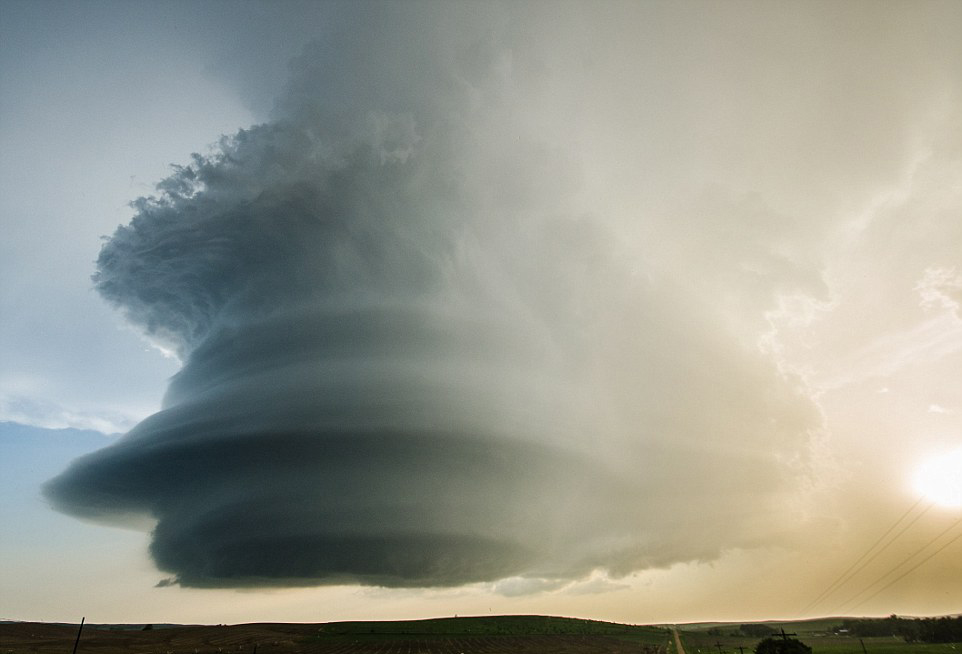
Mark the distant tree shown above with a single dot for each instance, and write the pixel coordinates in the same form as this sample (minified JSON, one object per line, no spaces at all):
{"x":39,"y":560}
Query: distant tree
{"x":756,"y":630}
{"x":782,"y":646}
{"x":940,"y":630}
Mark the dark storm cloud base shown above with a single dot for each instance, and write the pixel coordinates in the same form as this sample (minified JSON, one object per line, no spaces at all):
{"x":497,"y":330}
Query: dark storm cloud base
{"x":389,"y":509}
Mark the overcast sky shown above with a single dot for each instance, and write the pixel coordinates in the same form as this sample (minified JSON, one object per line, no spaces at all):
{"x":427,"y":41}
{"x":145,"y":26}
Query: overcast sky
{"x":643,"y":312}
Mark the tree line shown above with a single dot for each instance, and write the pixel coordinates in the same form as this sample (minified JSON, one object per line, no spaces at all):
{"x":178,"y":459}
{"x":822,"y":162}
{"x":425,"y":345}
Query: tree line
{"x":922,"y":630}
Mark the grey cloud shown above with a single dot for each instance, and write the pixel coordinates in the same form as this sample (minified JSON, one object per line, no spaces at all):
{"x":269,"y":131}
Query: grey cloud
{"x":595,"y":586}
{"x":413,"y":354}
{"x":520,"y":586}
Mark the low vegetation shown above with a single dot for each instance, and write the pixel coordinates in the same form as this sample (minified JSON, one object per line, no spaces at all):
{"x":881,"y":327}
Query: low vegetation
{"x":823,"y":636}
{"x":912,"y":630}
{"x":483,"y":635}
{"x":523,"y":634}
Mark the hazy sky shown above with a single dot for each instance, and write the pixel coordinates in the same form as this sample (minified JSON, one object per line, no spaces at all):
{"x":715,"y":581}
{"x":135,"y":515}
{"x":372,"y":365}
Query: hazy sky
{"x":638,"y":311}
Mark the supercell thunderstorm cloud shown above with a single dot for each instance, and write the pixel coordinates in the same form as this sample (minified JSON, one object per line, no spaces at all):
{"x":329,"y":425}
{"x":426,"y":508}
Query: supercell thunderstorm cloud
{"x":418,"y":349}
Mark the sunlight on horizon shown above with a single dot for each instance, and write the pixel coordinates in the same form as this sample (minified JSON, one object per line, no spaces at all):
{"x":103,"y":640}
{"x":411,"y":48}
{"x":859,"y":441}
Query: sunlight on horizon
{"x":939,"y":479}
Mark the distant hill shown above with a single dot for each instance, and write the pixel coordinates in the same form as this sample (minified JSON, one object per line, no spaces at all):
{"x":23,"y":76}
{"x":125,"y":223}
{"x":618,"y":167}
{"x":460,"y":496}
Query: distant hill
{"x":524,"y":634}
{"x":529,"y":634}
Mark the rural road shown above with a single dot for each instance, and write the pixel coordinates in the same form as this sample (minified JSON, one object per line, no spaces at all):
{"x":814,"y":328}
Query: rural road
{"x":678,"y":646}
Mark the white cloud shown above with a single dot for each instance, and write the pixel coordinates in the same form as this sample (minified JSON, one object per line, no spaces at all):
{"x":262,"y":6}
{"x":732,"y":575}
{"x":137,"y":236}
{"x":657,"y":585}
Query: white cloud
{"x":28,"y":410}
{"x":940,"y":288}
{"x":935,"y":408}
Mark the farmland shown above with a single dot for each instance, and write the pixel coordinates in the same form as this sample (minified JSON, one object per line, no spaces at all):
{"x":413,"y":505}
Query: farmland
{"x":466,"y":635}
{"x":817,"y":634}
{"x":496,"y":635}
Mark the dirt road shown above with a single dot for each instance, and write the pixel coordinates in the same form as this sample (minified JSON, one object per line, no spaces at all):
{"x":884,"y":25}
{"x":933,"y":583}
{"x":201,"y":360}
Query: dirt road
{"x":678,"y":646}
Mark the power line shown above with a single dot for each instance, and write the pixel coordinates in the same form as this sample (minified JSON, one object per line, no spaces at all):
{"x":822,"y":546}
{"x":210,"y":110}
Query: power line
{"x":861,"y":561}
{"x":841,"y":579}
{"x":912,"y":569}
{"x":903,"y":562}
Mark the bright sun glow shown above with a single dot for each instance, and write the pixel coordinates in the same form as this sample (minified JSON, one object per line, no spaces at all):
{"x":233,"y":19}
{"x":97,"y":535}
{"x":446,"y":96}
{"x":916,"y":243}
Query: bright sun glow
{"x":939,"y":479}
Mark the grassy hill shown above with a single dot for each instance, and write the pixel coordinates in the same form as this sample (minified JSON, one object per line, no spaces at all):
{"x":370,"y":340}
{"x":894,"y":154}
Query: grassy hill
{"x":529,"y":634}
{"x":505,"y":625}
{"x":522,"y":634}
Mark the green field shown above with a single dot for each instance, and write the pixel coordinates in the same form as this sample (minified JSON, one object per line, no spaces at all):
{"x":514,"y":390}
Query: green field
{"x":483,"y":635}
{"x":712,"y":638}
{"x":493,"y":627}
{"x":518,"y":634}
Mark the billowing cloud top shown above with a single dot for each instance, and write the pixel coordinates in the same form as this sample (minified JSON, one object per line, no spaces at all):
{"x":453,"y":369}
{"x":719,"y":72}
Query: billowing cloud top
{"x":418,"y":351}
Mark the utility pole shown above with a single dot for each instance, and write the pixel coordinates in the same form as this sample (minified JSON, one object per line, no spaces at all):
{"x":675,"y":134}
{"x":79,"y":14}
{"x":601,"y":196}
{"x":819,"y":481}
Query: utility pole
{"x":784,"y":635}
{"x":719,"y":646}
{"x":79,"y":631}
{"x":865,"y":651}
